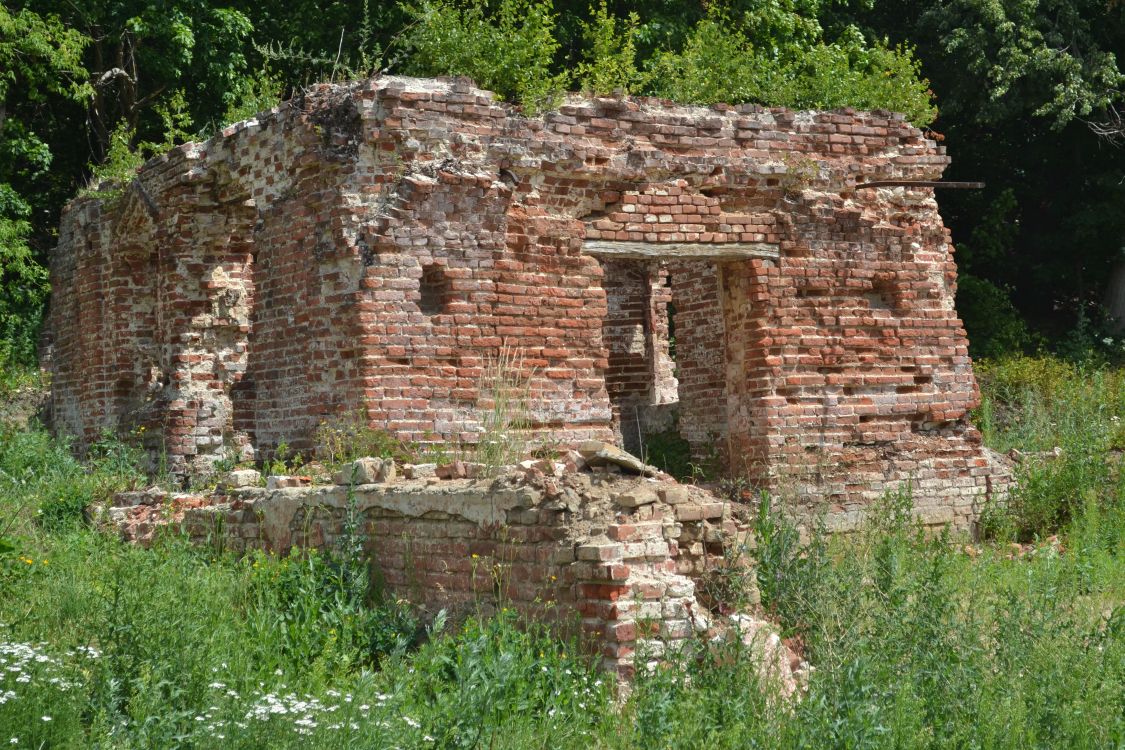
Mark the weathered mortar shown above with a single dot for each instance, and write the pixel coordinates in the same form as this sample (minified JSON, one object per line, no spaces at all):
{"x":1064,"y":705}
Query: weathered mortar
{"x":368,"y":247}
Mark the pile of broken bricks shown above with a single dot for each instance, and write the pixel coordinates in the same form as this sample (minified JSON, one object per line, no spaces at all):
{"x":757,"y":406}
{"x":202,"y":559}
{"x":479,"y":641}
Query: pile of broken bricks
{"x":591,"y":455}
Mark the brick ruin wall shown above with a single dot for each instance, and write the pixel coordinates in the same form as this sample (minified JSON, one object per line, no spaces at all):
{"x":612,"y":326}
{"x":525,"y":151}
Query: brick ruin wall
{"x":627,"y":560}
{"x":369,"y":248}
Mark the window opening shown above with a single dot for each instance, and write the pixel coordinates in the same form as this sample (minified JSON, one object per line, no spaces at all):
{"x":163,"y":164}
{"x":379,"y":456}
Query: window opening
{"x":433,"y":289}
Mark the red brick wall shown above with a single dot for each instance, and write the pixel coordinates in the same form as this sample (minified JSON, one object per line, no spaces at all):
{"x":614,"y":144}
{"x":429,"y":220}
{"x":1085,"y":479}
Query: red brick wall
{"x":830,"y":373}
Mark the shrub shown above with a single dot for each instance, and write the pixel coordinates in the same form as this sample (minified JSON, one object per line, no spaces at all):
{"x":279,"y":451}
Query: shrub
{"x":509,"y":51}
{"x":610,"y":57}
{"x":125,"y":155}
{"x":39,"y":475}
{"x":349,"y":437}
{"x":1068,"y":419}
{"x":716,"y":64}
{"x":995,"y":326}
{"x":671,"y":453}
{"x":23,"y":289}
{"x":756,"y":61}
{"x":499,"y":673}
{"x":787,"y":571}
{"x":322,"y":608}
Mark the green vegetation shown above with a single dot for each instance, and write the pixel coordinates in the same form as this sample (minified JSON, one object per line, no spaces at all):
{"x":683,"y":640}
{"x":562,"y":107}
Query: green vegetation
{"x":1043,"y":407}
{"x":511,"y":53}
{"x":725,"y":61}
{"x":90,"y":89}
{"x":917,"y":641}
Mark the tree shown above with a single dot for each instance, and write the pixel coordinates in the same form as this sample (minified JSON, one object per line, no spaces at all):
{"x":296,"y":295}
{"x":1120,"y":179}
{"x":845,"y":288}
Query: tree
{"x":1022,"y":87}
{"x":773,"y":55}
{"x":40,"y":62}
{"x":143,"y":51}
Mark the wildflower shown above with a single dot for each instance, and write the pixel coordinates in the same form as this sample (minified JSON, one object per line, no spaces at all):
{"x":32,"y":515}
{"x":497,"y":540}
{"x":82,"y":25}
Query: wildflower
{"x":411,"y":722}
{"x":46,"y":718}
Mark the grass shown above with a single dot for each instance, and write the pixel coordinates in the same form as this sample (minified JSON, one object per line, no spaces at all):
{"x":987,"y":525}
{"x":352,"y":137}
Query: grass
{"x":917,"y":642}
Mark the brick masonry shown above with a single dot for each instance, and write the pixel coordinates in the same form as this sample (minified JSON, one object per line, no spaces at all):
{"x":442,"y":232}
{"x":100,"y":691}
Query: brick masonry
{"x":624,"y":558}
{"x":369,"y":247}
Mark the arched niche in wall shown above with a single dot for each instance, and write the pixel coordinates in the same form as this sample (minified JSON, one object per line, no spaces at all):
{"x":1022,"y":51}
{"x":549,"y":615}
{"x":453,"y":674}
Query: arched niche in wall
{"x":135,"y":336}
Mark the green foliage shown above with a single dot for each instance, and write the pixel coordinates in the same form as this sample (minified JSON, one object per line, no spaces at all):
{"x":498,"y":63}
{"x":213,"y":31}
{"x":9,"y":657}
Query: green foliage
{"x":499,"y":671}
{"x":316,"y":605}
{"x":787,"y":570}
{"x":994,"y":325}
{"x":41,"y":480}
{"x":23,"y":292}
{"x":717,"y":64}
{"x":914,"y":643}
{"x":1053,"y":59}
{"x":669,"y":452}
{"x":259,"y":92}
{"x":362,"y":58}
{"x":610,"y":61}
{"x":1068,"y":418}
{"x":121,"y":161}
{"x":1019,"y":83}
{"x":509,"y":51}
{"x":150,"y":56}
{"x":123,"y":158}
{"x":725,"y":60}
{"x":40,"y":59}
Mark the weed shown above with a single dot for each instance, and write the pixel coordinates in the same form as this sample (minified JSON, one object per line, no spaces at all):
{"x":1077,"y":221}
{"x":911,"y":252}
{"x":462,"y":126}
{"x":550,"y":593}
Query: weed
{"x":349,"y":437}
{"x":504,"y":392}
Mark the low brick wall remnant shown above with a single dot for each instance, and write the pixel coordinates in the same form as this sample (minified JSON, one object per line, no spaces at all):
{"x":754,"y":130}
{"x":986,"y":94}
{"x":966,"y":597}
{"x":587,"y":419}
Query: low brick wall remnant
{"x":623,"y":554}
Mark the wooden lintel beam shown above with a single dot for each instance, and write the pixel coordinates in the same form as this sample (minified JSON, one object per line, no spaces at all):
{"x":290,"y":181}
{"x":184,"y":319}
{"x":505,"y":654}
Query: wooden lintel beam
{"x":921,"y":183}
{"x":680,"y":250}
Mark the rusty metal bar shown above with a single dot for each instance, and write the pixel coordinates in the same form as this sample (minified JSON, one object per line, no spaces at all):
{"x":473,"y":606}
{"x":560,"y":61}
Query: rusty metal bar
{"x":921,"y":183}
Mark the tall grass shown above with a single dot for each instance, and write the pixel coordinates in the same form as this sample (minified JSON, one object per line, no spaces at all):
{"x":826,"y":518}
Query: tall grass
{"x":504,"y":407}
{"x":1068,"y":422}
{"x":917,"y":642}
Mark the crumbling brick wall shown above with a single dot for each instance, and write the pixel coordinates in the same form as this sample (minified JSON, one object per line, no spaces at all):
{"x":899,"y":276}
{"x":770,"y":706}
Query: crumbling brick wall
{"x":625,"y":559}
{"x":370,"y":247}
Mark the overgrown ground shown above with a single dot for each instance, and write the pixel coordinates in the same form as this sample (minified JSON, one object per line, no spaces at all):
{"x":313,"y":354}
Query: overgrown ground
{"x":916,"y":642}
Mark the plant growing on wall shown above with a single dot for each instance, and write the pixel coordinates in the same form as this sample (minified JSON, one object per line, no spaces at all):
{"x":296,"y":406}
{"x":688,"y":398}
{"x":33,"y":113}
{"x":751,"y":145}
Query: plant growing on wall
{"x":504,"y":393}
{"x":610,"y":61}
{"x":509,"y":51}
